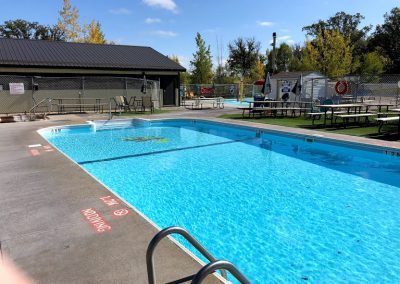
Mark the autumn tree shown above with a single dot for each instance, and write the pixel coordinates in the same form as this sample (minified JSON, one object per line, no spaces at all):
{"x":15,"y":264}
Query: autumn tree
{"x":94,"y":34}
{"x":299,"y":61}
{"x":68,"y":22}
{"x":243,"y":56}
{"x":201,"y":63}
{"x":258,"y":71}
{"x":330,"y":53}
{"x":349,"y":26}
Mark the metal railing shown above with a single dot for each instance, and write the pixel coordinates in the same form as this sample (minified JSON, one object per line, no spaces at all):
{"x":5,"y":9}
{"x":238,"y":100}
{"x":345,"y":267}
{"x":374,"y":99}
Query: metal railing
{"x":180,"y":231}
{"x":45,"y":102}
{"x":218,"y":265}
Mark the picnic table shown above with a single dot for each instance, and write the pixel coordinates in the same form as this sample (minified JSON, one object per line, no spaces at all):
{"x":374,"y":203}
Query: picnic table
{"x":379,"y":105}
{"x":262,"y":107}
{"x":382,"y":120}
{"x":357,"y":110}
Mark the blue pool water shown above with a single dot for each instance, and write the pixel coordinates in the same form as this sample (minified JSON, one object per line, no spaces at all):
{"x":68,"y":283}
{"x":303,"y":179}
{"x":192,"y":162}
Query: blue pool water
{"x":282,"y":209}
{"x":235,"y":102}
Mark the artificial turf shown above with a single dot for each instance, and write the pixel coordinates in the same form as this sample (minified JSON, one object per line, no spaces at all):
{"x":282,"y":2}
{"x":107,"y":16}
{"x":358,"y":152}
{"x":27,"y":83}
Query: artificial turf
{"x":156,"y":111}
{"x":389,"y":132}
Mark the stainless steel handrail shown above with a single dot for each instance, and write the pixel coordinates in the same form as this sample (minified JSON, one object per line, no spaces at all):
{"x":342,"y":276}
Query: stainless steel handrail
{"x":166,"y":232}
{"x":48,"y":100}
{"x":218,"y":265}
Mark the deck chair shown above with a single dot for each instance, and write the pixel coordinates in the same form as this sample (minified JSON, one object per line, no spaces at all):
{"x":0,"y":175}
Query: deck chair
{"x":121,"y":103}
{"x":147,"y":103}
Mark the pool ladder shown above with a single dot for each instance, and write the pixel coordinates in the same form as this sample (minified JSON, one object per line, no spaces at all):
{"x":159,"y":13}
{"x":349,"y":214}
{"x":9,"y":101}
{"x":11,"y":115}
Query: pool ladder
{"x":206,"y":270}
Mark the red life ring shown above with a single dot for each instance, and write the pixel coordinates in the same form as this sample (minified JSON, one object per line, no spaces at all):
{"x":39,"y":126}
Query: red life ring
{"x":341,"y":87}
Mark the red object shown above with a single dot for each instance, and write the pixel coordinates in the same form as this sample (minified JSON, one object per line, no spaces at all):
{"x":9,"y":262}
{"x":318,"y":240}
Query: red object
{"x":109,"y":200}
{"x":341,"y":87}
{"x":120,"y":212}
{"x":34,"y":152}
{"x":96,"y":220}
{"x":259,"y":82}
{"x":207,"y":91}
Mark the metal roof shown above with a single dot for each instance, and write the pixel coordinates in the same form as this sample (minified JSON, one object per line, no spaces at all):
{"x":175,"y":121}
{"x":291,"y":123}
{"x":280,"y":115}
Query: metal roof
{"x":294,"y":75}
{"x":57,"y":54}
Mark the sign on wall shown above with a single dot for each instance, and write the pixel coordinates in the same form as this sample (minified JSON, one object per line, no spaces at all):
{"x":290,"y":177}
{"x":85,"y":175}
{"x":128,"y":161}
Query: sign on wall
{"x":17,"y":88}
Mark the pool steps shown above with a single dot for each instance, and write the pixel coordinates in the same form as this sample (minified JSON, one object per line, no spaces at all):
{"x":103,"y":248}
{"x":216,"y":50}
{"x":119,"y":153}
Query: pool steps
{"x":117,"y":123}
{"x":206,"y":270}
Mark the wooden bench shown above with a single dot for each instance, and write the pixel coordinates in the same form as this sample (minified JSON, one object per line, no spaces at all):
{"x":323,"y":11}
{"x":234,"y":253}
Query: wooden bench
{"x":346,"y":117}
{"x":383,"y":120}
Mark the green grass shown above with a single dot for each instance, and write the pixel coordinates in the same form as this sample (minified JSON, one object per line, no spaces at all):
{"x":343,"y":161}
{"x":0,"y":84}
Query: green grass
{"x":156,"y":111}
{"x":302,"y":122}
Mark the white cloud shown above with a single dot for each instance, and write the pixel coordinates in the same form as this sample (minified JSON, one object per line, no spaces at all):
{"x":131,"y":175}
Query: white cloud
{"x":265,"y":24}
{"x":152,"y":21}
{"x":120,"y":11}
{"x":164,"y":4}
{"x":286,"y":38}
{"x":163,"y":33}
{"x":283,"y":38}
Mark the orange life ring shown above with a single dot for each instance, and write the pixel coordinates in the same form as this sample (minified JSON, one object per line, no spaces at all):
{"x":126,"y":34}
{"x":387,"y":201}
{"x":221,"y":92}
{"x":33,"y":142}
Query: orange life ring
{"x":341,"y":87}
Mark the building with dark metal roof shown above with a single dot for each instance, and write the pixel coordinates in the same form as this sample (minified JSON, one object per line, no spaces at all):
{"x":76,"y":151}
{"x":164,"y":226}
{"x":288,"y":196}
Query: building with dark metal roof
{"x":61,"y":59}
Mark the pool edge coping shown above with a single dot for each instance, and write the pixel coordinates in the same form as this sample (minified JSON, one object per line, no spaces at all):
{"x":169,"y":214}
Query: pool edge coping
{"x":193,"y":256}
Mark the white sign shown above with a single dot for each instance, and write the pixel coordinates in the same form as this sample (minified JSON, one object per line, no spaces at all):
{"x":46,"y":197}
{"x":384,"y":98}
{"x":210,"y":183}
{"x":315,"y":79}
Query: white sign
{"x":1,"y":88}
{"x":398,"y":84}
{"x":17,"y":89}
{"x":286,"y":87}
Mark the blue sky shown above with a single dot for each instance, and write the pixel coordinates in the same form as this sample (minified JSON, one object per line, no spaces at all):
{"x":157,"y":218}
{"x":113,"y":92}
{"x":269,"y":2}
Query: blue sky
{"x":170,"y":26}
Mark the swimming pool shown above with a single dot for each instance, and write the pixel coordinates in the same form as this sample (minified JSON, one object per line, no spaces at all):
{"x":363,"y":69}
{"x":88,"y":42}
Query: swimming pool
{"x":236,"y":103}
{"x":284,"y":209}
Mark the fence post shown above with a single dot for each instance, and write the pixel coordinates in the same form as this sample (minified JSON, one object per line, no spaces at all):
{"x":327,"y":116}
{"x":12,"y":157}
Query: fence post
{"x":83,"y":86}
{"x":33,"y":97}
{"x":126,"y":87}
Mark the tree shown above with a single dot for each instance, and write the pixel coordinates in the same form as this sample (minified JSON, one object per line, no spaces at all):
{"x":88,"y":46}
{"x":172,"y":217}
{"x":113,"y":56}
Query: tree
{"x":258,"y":72}
{"x":201,"y":63}
{"x":30,"y":30}
{"x":184,"y":77}
{"x":68,"y":22}
{"x":299,"y":59}
{"x":373,"y":63}
{"x":387,"y":38}
{"x":94,"y":34}
{"x":349,"y":27}
{"x":243,"y":56}
{"x":283,"y":57}
{"x":329,"y":53}
{"x":18,"y":29}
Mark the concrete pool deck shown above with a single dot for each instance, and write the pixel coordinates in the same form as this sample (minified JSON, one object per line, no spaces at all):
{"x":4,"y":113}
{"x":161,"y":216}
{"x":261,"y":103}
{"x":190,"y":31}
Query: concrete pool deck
{"x":44,"y":232}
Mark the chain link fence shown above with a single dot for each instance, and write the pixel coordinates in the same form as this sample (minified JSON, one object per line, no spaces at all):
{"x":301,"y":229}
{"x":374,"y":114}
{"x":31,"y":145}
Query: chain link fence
{"x":75,"y":90}
{"x":381,"y":88}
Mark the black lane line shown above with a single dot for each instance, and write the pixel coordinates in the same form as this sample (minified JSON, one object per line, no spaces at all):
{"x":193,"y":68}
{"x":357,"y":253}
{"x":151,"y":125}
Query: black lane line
{"x":164,"y":151}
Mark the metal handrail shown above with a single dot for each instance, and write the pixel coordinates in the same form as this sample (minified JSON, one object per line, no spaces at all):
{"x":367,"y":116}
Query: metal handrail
{"x":218,"y":265}
{"x":166,"y":232}
{"x":39,"y":103}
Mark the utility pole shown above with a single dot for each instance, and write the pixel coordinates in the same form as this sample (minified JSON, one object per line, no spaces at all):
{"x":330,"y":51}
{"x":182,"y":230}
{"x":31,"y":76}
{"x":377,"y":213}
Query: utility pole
{"x":273,"y":52}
